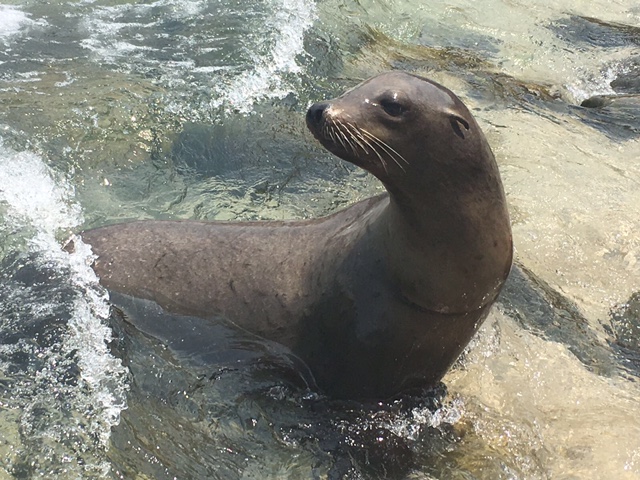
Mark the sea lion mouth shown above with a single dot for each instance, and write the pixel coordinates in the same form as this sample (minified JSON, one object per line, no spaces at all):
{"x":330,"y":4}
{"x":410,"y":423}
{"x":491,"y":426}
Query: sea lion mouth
{"x":351,"y":142}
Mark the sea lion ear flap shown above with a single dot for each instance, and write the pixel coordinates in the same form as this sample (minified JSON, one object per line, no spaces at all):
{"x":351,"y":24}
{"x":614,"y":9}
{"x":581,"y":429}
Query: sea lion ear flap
{"x":456,"y":122}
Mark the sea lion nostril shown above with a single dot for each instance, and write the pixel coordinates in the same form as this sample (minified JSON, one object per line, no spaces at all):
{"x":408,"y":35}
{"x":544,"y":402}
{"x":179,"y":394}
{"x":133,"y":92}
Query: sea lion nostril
{"x":316,"y":112}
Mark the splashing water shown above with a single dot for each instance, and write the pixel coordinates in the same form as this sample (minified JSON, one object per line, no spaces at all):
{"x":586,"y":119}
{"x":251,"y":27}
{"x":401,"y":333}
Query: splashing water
{"x":37,"y":200}
{"x":12,"y":21}
{"x":290,"y":21}
{"x":411,"y":424}
{"x":266,"y":53}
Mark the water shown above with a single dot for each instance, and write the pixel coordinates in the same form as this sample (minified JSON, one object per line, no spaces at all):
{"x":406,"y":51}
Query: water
{"x":191,"y":109}
{"x":60,"y":384}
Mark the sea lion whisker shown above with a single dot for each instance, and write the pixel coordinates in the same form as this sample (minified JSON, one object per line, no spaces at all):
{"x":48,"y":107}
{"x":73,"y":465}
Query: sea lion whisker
{"x":387,"y":148}
{"x":333,"y":135}
{"x":392,"y":157}
{"x":354,"y":147}
{"x":326,"y":131}
{"x":340,"y":128}
{"x":339,"y":136}
{"x":330,"y":132}
{"x":358,"y":133}
{"x":351,"y":129}
{"x":396,"y":154}
{"x":341,"y":140}
{"x":388,"y":153}
{"x":346,"y":138}
{"x":354,"y":131}
{"x":367,"y":141}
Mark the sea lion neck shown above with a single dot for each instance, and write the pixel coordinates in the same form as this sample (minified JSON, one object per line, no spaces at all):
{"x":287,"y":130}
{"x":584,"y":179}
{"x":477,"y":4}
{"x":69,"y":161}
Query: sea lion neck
{"x":442,"y":253}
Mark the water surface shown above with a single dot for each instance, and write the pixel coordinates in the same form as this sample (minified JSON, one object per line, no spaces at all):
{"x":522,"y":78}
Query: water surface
{"x":116,"y":110}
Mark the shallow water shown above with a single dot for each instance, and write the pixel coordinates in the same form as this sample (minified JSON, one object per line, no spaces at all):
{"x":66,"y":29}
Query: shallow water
{"x":115,"y":110}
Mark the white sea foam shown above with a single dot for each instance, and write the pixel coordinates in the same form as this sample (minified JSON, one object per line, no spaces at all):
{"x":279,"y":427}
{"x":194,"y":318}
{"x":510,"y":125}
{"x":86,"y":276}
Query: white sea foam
{"x":104,"y":41}
{"x":31,"y":194}
{"x":105,"y":32}
{"x":280,"y":40}
{"x":14,"y":21}
{"x":34,"y":196}
{"x":587,"y":85}
{"x":288,"y":24}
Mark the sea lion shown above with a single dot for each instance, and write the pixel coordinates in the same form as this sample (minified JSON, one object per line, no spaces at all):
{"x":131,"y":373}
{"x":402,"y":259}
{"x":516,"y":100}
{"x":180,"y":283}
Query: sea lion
{"x":377,"y":298}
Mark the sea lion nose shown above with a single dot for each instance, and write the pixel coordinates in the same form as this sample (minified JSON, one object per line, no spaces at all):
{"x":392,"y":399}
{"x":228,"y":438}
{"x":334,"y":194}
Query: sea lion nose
{"x":316,"y":113}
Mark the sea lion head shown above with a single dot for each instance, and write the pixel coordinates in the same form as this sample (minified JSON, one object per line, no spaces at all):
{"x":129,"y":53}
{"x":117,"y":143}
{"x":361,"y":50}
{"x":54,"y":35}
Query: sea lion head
{"x":406,"y":130}
{"x":448,"y":205}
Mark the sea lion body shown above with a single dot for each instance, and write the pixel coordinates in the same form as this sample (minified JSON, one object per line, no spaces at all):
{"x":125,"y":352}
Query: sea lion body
{"x":377,"y":298}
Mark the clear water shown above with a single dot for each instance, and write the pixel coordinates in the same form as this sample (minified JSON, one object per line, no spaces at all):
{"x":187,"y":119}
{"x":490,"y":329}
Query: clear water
{"x":115,"y":110}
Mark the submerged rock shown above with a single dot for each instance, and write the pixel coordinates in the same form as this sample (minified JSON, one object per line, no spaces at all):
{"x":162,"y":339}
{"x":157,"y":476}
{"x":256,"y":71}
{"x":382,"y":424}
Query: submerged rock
{"x":595,"y":32}
{"x":625,"y":332}
{"x":628,"y":80}
{"x":541,"y":309}
{"x":616,"y":115}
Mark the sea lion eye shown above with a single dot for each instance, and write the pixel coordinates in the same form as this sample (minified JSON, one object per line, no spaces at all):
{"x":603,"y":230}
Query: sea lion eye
{"x":392,"y":107}
{"x":456,"y":121}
